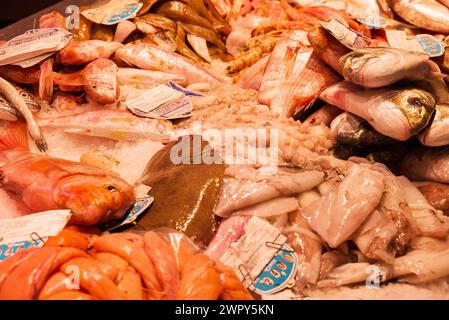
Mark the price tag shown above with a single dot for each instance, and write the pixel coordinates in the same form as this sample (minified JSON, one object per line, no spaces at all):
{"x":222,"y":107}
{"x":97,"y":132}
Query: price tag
{"x":33,"y":44}
{"x":30,"y":231}
{"x":423,"y":43}
{"x":113,"y":11}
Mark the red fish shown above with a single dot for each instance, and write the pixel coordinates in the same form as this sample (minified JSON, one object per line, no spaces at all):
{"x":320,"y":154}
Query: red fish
{"x":44,"y":183}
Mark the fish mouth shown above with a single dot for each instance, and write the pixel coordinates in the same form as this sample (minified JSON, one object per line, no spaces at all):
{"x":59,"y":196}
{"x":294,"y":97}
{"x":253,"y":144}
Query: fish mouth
{"x":93,"y":199}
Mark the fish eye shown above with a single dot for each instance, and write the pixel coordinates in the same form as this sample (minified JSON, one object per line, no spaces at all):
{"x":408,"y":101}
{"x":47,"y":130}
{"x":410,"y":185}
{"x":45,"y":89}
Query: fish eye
{"x":110,"y":188}
{"x":415,"y":102}
{"x":24,"y":94}
{"x":94,"y":86}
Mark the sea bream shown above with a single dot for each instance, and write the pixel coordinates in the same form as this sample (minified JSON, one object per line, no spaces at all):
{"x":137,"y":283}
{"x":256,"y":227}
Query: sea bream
{"x":44,"y":183}
{"x":396,"y":112}
{"x":367,"y":67}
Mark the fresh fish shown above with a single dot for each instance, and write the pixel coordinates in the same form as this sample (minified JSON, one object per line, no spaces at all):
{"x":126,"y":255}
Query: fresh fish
{"x":329,"y":49}
{"x":207,"y":10}
{"x":147,"y":78}
{"x":426,"y":14}
{"x":78,"y":53}
{"x":112,"y":124}
{"x":180,"y":11}
{"x":181,"y":45}
{"x":98,"y":79}
{"x":199,"y":45}
{"x":437,"y":133}
{"x":398,"y":113}
{"x":8,"y":91}
{"x":426,"y":164}
{"x":204,"y":33}
{"x":251,"y":78}
{"x":294,"y":78}
{"x":30,"y":100}
{"x":352,"y":130}
{"x":155,"y":20}
{"x":123,"y":30}
{"x":92,"y":194}
{"x":149,"y":57}
{"x":366,"y":67}
{"x":164,"y":39}
{"x":7,"y":112}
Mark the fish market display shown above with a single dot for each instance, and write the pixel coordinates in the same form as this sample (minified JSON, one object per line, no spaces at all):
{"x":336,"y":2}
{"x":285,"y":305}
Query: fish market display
{"x":227,"y":150}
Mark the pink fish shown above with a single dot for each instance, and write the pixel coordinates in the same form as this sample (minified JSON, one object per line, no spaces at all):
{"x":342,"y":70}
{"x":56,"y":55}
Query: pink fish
{"x":251,"y":78}
{"x":81,"y":52}
{"x":150,"y":57}
{"x":294,"y":78}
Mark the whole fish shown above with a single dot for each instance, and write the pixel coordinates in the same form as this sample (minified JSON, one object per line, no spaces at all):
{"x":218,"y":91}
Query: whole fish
{"x":352,"y":130}
{"x":146,"y":56}
{"x":426,"y":14}
{"x":147,"y":78}
{"x":44,"y":183}
{"x":82,"y":52}
{"x":112,"y":124}
{"x":329,"y":49}
{"x":98,"y":79}
{"x":398,"y":113}
{"x":367,"y":67}
{"x":294,"y":78}
{"x":10,"y":93}
{"x":437,"y":133}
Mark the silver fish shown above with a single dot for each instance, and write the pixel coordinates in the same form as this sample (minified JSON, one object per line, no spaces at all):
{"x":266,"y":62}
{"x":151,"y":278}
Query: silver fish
{"x":368,"y":67}
{"x":10,"y":93}
{"x":29,"y":98}
{"x":396,"y":112}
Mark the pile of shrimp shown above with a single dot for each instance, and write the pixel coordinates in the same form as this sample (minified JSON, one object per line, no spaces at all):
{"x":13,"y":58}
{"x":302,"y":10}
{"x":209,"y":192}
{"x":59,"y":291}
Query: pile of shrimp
{"x":78,"y":266}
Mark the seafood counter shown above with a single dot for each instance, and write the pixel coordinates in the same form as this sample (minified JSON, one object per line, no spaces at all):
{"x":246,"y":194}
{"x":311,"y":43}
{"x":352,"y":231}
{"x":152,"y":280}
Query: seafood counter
{"x":226,"y":149}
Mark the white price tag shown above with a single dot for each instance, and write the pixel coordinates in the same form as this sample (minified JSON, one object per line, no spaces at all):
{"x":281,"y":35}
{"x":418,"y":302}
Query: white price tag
{"x":43,"y":224}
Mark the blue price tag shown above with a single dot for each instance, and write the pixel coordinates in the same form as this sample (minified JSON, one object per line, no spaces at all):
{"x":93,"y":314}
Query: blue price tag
{"x":127,"y":13}
{"x":431,"y":46}
{"x":8,"y":250}
{"x":278,"y":273}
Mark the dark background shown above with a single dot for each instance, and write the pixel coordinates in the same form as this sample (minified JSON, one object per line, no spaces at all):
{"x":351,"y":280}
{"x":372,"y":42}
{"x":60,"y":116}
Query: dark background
{"x":14,"y":10}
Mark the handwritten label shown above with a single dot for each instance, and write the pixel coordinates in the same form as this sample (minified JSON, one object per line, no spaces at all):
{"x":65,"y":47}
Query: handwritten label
{"x":161,"y":102}
{"x":423,"y":43}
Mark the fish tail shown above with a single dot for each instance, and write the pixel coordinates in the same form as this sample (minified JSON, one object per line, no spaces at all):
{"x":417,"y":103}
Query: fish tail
{"x":13,"y":134}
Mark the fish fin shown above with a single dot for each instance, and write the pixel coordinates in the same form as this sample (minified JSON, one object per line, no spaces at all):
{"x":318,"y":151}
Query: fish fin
{"x":13,"y":135}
